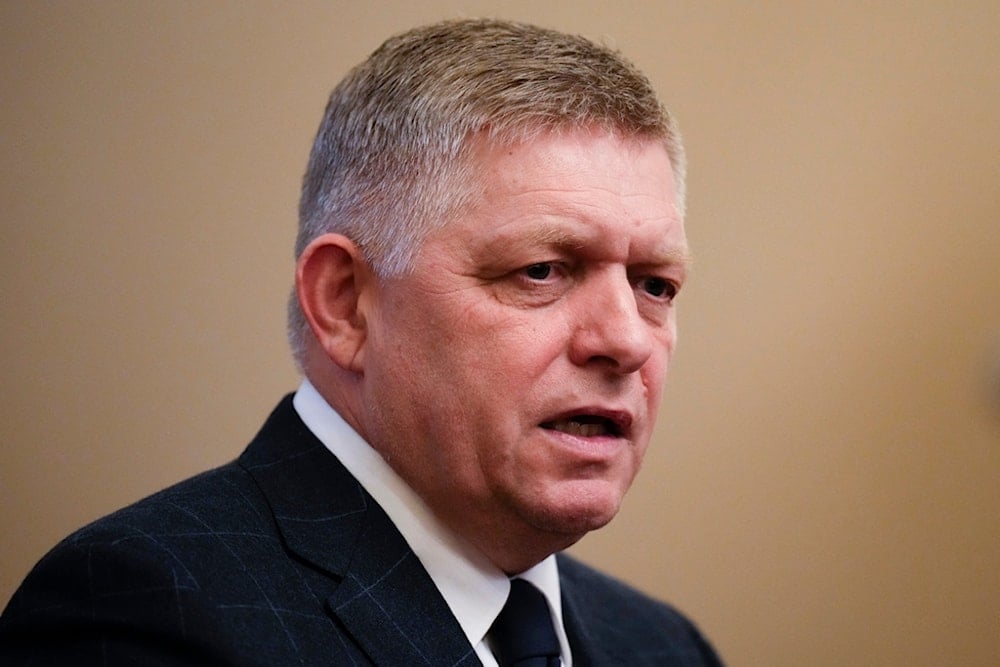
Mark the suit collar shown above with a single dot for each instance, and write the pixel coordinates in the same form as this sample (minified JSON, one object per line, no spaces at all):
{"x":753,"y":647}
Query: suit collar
{"x":380,"y":593}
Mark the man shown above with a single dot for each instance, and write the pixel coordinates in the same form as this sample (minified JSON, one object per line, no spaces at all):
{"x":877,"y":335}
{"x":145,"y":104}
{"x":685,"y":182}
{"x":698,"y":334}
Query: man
{"x":490,"y":245}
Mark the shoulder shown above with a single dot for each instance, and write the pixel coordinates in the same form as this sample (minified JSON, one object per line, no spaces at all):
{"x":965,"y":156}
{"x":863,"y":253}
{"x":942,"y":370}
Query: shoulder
{"x":187,"y":527}
{"x":616,"y":616}
{"x":608,"y":592}
{"x":191,"y":516}
{"x":151,"y":572}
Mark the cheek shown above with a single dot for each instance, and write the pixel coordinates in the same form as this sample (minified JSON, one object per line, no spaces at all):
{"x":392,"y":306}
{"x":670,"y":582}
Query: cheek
{"x":654,"y":373}
{"x":668,"y":344}
{"x":508,"y":351}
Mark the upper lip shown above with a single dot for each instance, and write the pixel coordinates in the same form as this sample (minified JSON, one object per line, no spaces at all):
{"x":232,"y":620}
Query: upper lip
{"x":619,"y":421}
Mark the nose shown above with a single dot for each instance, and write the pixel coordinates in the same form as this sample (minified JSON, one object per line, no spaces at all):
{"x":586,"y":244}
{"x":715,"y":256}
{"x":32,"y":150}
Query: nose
{"x":608,"y":329}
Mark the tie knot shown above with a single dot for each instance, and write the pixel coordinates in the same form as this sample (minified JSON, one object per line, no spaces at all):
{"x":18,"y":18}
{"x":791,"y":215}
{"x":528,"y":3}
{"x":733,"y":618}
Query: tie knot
{"x":523,"y":635}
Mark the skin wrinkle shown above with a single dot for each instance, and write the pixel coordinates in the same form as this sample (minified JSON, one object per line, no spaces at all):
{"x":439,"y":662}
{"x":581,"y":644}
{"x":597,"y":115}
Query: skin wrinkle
{"x":569,"y":249}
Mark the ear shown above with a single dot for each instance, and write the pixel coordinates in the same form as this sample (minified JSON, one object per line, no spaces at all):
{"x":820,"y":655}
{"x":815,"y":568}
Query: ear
{"x":330,"y":276}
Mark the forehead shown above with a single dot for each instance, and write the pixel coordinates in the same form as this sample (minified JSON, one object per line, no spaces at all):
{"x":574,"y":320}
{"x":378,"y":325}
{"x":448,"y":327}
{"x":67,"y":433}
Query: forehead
{"x":573,"y":189}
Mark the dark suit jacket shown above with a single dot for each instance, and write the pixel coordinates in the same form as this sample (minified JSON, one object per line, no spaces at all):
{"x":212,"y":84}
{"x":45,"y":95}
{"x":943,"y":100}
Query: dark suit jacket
{"x":282,"y":558}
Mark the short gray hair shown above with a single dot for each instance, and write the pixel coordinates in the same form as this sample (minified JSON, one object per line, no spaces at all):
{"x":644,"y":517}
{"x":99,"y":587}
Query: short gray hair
{"x":389,"y":166}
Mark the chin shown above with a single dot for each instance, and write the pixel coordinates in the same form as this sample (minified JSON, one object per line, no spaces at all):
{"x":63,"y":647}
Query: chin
{"x":577,"y":511}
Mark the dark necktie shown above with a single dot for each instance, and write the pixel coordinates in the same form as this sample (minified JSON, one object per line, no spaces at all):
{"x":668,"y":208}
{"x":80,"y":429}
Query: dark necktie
{"x":523,"y":635}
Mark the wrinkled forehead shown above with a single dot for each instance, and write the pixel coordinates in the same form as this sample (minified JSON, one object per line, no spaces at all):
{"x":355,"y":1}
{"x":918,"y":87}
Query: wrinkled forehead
{"x":564,"y":190}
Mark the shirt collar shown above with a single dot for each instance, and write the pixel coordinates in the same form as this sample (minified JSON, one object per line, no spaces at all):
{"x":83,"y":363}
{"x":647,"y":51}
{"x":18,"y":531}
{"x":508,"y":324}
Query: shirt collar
{"x":474,"y":589}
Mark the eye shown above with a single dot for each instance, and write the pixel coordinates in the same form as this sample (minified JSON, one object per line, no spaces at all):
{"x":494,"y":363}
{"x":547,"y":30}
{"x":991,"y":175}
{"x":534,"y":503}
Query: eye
{"x":534,"y":285}
{"x":659,"y":288}
{"x":539,"y":271}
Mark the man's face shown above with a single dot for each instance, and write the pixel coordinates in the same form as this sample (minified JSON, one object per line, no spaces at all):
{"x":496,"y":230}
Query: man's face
{"x":513,"y":377}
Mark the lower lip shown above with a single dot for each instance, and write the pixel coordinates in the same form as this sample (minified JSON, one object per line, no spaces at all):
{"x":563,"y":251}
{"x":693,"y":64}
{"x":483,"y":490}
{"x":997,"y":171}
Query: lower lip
{"x":593,"y":449}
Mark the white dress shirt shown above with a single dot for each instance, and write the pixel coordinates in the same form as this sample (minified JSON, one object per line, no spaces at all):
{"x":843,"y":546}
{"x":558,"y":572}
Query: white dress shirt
{"x":472,"y":586}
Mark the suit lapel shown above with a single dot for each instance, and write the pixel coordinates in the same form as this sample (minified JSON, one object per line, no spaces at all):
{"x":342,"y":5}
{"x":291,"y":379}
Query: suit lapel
{"x":380,"y":593}
{"x":390,"y":606}
{"x":595,"y":638}
{"x":589,"y":648}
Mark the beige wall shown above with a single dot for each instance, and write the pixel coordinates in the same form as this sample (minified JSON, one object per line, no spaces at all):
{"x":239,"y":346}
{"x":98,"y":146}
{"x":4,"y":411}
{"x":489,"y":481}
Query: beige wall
{"x":825,"y":483}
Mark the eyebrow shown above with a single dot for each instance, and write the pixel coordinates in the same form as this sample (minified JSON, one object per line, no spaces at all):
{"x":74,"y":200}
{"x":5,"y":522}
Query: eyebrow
{"x":555,"y":236}
{"x":546,"y":235}
{"x":534,"y":237}
{"x":681,"y":256}
{"x":558,"y":236}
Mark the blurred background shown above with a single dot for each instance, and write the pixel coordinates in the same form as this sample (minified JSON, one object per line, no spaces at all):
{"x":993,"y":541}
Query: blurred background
{"x":824,"y":485}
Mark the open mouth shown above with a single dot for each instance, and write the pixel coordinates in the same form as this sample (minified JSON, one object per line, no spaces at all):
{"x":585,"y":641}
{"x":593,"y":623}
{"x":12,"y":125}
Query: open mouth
{"x":587,"y":426}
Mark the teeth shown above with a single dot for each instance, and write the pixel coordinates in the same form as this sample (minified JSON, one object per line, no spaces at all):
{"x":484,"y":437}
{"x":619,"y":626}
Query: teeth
{"x":586,"y":430}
